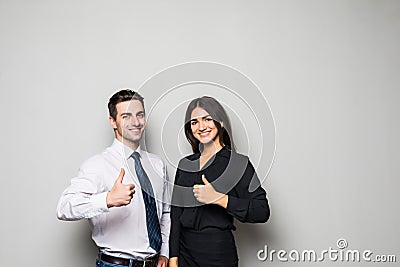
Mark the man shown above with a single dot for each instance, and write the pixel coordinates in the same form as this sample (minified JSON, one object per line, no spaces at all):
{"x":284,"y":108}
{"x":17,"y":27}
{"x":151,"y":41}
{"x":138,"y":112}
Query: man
{"x":122,"y":192}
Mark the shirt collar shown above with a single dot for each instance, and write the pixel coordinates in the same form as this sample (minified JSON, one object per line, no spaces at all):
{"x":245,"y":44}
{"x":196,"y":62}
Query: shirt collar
{"x":223,"y":152}
{"x":124,"y":150}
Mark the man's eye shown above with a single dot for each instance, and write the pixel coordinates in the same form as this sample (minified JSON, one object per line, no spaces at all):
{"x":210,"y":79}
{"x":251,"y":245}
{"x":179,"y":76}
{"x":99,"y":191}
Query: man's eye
{"x":208,"y":119}
{"x":140,"y":115}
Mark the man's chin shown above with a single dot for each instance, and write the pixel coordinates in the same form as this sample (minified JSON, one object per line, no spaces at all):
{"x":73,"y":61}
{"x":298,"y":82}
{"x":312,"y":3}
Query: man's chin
{"x":133,"y":139}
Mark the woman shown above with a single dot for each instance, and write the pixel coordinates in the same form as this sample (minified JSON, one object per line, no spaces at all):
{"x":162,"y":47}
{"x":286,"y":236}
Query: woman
{"x":222,"y":186}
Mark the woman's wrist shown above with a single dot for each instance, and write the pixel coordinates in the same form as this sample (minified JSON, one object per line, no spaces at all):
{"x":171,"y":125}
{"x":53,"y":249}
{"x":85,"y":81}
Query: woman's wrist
{"x":222,"y":201}
{"x":173,"y":260}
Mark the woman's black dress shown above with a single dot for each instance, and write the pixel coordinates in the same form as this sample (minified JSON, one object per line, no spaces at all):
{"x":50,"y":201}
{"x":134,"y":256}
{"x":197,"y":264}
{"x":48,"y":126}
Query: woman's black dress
{"x":201,"y":235}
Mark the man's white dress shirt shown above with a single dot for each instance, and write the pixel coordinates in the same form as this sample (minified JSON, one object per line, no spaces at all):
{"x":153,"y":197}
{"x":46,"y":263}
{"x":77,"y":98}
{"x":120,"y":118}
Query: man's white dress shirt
{"x":118,"y":231}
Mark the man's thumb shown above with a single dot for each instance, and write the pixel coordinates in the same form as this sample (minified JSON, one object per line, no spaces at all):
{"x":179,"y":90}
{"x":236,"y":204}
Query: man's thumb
{"x":121,"y":176}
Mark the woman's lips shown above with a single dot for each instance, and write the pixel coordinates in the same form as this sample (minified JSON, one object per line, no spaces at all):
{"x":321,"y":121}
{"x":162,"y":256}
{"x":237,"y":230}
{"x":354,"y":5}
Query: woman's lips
{"x":205,"y":133}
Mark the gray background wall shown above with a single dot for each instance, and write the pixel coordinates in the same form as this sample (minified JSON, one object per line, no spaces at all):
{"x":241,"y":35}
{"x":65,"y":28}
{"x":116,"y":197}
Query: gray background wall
{"x":329,"y":69}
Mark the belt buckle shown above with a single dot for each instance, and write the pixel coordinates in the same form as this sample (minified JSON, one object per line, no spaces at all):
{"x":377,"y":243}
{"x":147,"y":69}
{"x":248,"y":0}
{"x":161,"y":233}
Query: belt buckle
{"x":150,"y":261}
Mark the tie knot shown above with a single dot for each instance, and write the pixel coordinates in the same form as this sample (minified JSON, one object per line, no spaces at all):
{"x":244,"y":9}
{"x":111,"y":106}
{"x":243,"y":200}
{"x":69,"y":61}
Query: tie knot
{"x":135,"y":155}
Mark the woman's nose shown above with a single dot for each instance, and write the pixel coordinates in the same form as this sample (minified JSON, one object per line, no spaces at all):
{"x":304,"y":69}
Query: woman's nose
{"x":202,"y":125}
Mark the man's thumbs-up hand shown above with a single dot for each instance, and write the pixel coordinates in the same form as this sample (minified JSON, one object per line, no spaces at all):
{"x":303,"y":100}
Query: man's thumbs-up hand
{"x":120,"y":194}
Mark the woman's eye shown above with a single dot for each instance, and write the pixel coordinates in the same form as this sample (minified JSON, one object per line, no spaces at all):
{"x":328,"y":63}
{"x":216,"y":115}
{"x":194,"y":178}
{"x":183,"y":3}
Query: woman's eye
{"x":193,"y":122}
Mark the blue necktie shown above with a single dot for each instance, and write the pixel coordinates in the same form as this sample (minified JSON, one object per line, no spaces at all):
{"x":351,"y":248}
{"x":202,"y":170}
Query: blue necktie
{"x":153,"y":225}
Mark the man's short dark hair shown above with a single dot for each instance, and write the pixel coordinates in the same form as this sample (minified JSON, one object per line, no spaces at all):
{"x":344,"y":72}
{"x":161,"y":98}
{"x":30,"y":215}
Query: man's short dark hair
{"x":122,"y":96}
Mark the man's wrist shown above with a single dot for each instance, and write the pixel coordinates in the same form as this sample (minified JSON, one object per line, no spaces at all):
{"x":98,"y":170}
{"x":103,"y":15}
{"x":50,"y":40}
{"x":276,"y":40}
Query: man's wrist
{"x":108,"y":200}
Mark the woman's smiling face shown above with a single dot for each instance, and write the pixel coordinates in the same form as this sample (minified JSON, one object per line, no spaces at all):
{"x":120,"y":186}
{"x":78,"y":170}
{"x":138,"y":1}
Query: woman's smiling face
{"x":203,"y":126}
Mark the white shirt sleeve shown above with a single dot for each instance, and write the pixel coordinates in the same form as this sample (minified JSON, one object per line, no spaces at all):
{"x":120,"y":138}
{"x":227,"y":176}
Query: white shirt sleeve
{"x":165,"y":222}
{"x":86,"y":195}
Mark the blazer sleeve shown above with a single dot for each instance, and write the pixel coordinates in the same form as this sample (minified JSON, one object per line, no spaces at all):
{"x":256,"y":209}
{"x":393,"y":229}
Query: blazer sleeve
{"x":176,"y":212}
{"x":249,"y":206}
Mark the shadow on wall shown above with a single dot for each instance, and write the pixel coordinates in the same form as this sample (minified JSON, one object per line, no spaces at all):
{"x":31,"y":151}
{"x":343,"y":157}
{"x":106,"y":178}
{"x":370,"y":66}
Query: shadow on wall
{"x":80,"y":250}
{"x":250,"y":238}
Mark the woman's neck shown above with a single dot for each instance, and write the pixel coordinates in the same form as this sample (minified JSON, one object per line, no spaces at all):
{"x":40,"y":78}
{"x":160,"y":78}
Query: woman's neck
{"x":211,"y":148}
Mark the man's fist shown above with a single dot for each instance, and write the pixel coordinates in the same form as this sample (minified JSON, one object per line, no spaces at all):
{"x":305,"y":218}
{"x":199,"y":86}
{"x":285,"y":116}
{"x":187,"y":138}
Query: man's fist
{"x":120,"y":194}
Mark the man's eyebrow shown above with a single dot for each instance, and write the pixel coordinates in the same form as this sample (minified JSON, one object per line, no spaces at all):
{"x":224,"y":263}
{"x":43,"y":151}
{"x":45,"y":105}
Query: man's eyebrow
{"x":126,"y":113}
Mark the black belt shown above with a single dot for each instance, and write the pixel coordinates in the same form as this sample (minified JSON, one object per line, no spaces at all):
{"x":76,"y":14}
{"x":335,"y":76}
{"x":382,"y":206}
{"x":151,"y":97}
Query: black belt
{"x":148,"y":262}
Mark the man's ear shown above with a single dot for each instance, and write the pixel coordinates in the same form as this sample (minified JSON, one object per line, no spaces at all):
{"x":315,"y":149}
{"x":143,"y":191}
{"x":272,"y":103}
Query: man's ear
{"x":113,"y":123}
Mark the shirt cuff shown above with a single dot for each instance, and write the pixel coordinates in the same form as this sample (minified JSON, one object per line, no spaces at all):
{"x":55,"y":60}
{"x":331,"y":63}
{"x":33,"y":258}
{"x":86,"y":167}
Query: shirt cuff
{"x":237,"y":207}
{"x":164,"y":251}
{"x":99,"y":202}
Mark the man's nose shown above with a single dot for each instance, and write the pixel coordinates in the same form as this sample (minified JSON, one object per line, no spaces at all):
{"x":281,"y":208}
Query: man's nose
{"x":135,"y":121}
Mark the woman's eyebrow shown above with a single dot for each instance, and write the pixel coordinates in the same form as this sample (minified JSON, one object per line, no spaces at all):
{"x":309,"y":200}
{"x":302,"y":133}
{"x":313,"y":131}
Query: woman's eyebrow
{"x":203,"y":117}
